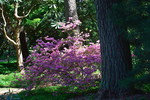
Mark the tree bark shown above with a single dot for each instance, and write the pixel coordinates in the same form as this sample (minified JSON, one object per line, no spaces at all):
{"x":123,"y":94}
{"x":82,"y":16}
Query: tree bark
{"x":71,"y":11}
{"x":18,"y":48}
{"x":115,"y":50}
{"x":24,"y":47}
{"x":19,"y":57}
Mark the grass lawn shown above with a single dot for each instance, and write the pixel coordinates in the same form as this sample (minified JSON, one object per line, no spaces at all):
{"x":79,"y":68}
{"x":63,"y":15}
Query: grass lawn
{"x":6,"y":80}
{"x":56,"y":93}
{"x":8,"y":71}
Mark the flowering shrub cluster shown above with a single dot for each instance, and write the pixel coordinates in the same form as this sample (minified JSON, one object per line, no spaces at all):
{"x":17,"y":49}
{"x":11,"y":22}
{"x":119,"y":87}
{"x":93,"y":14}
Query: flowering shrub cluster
{"x":70,"y":25}
{"x":67,"y":62}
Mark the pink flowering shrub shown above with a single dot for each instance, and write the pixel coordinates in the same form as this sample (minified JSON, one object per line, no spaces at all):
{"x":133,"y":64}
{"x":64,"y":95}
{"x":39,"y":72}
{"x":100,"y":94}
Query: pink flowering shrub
{"x":70,"y":25}
{"x":66,"y":62}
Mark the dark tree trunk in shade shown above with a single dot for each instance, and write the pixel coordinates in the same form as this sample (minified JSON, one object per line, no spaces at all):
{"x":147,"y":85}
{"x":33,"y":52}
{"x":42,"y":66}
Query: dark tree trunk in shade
{"x":24,"y":47}
{"x":115,"y":49}
{"x":71,"y":11}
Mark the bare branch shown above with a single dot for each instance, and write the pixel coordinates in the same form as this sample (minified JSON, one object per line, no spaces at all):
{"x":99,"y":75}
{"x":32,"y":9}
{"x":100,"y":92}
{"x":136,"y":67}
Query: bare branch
{"x":4,"y":28}
{"x":16,"y":11}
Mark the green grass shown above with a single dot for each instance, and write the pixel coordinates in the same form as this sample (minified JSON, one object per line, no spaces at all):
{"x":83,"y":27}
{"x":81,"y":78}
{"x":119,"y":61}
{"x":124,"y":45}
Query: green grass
{"x":7,"y":73}
{"x":55,"y":93}
{"x":8,"y":80}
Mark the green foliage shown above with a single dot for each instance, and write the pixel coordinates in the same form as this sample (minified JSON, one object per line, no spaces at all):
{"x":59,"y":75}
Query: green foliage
{"x":87,"y":15}
{"x":138,"y":23}
{"x":144,"y":87}
{"x":49,"y":12}
{"x":134,"y":16}
{"x":34,"y":23}
{"x":45,"y":15}
{"x":40,"y":20}
{"x":6,"y":52}
{"x":3,"y":1}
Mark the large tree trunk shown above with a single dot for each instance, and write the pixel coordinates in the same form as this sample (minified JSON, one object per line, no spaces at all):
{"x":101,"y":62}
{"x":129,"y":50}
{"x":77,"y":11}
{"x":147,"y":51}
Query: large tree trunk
{"x":24,"y":47}
{"x":71,"y":11}
{"x":115,"y":50}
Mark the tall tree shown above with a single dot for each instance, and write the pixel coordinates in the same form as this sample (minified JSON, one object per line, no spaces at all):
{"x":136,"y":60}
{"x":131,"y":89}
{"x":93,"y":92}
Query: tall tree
{"x":15,"y":27}
{"x":71,"y":11}
{"x":115,"y":50}
{"x":37,"y":24}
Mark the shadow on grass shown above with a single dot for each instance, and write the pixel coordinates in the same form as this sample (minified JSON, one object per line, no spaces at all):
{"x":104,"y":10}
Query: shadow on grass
{"x":6,"y":68}
{"x":52,"y":93}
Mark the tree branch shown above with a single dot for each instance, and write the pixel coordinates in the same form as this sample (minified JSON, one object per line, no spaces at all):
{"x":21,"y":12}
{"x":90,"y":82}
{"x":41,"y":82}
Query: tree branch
{"x":4,"y":29}
{"x":16,"y":11}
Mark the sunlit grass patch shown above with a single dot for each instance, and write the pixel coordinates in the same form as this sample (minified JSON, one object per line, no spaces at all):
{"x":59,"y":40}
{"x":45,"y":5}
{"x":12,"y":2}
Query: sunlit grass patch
{"x":8,"y":80}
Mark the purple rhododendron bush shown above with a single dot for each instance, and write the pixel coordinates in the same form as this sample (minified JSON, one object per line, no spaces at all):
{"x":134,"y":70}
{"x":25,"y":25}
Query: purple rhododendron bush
{"x":66,"y":62}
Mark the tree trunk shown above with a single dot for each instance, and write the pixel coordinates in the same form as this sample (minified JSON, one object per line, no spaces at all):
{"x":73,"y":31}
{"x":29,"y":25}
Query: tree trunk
{"x":19,"y":57}
{"x":71,"y":11}
{"x":24,"y":47}
{"x":18,"y":48}
{"x":115,"y":50}
{"x":18,"y":29}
